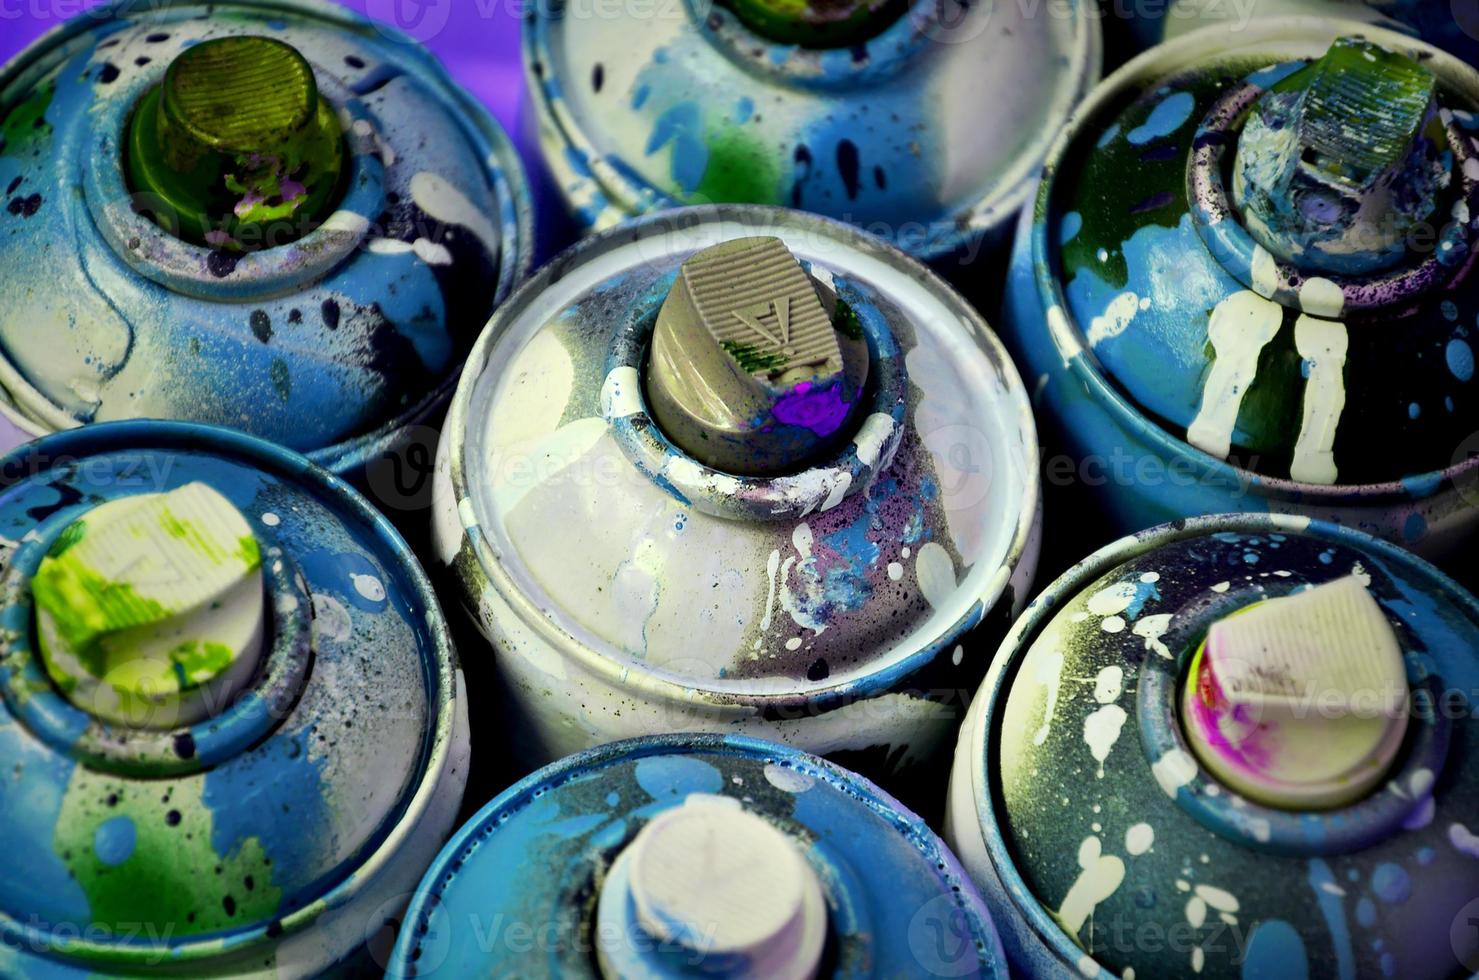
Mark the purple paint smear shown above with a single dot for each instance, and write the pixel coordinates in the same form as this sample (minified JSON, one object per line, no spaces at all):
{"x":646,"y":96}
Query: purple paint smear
{"x":822,"y":410}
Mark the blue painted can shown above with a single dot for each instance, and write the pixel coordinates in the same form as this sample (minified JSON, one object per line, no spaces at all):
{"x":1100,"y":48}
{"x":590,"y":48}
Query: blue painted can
{"x":1181,"y":363}
{"x":1104,"y":844}
{"x":531,"y":882}
{"x":337,"y":344}
{"x":1452,"y":25}
{"x":276,"y":836}
{"x":928,"y":131}
{"x":626,"y":588}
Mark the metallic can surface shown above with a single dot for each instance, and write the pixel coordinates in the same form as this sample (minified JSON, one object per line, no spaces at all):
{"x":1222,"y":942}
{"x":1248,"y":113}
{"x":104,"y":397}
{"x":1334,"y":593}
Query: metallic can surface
{"x":929,"y":134}
{"x":628,"y":590}
{"x":274,"y":838}
{"x":334,"y":344}
{"x":1102,"y":845}
{"x":1134,"y":255}
{"x":1452,"y":25}
{"x":520,"y":883}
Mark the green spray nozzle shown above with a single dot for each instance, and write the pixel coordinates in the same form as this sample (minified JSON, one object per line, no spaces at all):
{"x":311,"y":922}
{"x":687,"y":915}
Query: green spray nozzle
{"x":236,"y":148}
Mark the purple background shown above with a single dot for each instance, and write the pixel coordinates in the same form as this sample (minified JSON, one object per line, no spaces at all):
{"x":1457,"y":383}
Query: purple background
{"x":478,"y":41}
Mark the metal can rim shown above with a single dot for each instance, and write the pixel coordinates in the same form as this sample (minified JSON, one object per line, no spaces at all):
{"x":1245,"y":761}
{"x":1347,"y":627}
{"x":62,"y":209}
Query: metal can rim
{"x":652,"y":684}
{"x":284,"y":462}
{"x":516,"y":796}
{"x":629,"y":193}
{"x":973,"y":735}
{"x":510,"y":186}
{"x":1179,"y":54}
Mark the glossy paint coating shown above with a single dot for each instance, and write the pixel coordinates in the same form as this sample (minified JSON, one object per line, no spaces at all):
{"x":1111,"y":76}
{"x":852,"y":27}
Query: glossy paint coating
{"x":627,"y":589}
{"x":331,"y":345}
{"x":928,"y":134}
{"x":1103,"y":846}
{"x":1135,"y":297}
{"x":531,"y":863}
{"x":272,"y":839}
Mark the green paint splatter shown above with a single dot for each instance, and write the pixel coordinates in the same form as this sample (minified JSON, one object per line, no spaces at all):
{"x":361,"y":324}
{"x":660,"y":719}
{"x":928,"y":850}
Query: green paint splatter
{"x":742,"y":170}
{"x":197,"y":662}
{"x":173,"y":879}
{"x":750,"y":359}
{"x":70,"y":535}
{"x":85,"y":607}
{"x":845,"y":321}
{"x":26,"y":123}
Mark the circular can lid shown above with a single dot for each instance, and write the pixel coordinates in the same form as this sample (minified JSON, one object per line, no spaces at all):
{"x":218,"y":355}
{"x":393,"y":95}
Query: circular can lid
{"x":537,"y":861}
{"x":327,"y":776}
{"x":649,"y":568}
{"x":374,"y":215}
{"x":689,"y":105}
{"x":1107,"y":821}
{"x":1149,"y":246}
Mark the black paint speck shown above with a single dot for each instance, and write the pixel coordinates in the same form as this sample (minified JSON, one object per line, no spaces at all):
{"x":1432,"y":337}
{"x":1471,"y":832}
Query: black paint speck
{"x":818,"y":671}
{"x":598,"y":77}
{"x":262,"y":326}
{"x":229,"y":904}
{"x":109,"y":74}
{"x":880,"y":178}
{"x":156,"y":38}
{"x":24,"y":207}
{"x":112,"y":799}
{"x":803,"y":173}
{"x":249,"y":882}
{"x":274,"y":929}
{"x":847,"y":167}
{"x":172,"y":818}
{"x":353,"y":61}
{"x":142,"y":60}
{"x":295,"y":316}
{"x":185,"y":745}
{"x":222,"y":263}
{"x":331,"y":314}
{"x":13,"y":185}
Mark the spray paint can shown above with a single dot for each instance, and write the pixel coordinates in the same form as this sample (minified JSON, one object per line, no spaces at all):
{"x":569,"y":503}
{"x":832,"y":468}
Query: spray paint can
{"x":1236,"y":746}
{"x":1226,"y":323}
{"x":1452,"y":25}
{"x":674,"y":855}
{"x":737,"y":469}
{"x":234,"y":727}
{"x":924,"y":124}
{"x":277,"y":217}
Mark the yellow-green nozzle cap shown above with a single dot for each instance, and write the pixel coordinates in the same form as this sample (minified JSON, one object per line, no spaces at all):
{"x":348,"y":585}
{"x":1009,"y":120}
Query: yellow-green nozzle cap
{"x":150,"y":609}
{"x":818,"y":23}
{"x":750,"y":372}
{"x":1300,"y":702}
{"x":237,"y":147}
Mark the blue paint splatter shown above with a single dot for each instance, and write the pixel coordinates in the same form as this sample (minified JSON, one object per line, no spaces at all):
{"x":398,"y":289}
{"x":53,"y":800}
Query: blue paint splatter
{"x":1164,"y":119}
{"x":113,"y":841}
{"x":1460,"y":357}
{"x":667,"y":777}
{"x":744,"y":110}
{"x":1275,"y":950}
{"x":1391,"y":883}
{"x":682,"y":126}
{"x":639,"y":97}
{"x":1366,"y":913}
{"x":1073,"y":223}
{"x":1109,"y":135}
{"x":1414,"y":410}
{"x":1269,"y":77}
{"x":1332,"y":907}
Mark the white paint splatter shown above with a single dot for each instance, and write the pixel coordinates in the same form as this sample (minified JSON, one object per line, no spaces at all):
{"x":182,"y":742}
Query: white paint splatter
{"x":1113,"y":600}
{"x":1114,"y":320}
{"x":271,"y":519}
{"x":895,"y":571}
{"x":935,"y":572}
{"x":445,"y":203}
{"x":368,"y":586}
{"x":1099,"y":877}
{"x":1323,"y":344}
{"x":1151,"y":629}
{"x":1174,"y":770}
{"x":1462,"y":840}
{"x":1240,"y":327}
{"x":786,"y":779}
{"x":1221,"y":586}
{"x":621,"y":393}
{"x":1108,"y":684}
{"x":957,"y":655}
{"x":1139,"y":838}
{"x":1222,"y":901}
{"x":1196,"y":912}
{"x":1265,"y":273}
{"x":1113,"y":624}
{"x":1101,"y":730}
{"x":872,"y":435}
{"x":1049,"y":673}
{"x":1321,"y":297}
{"x":330,"y":618}
{"x":838,"y":492}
